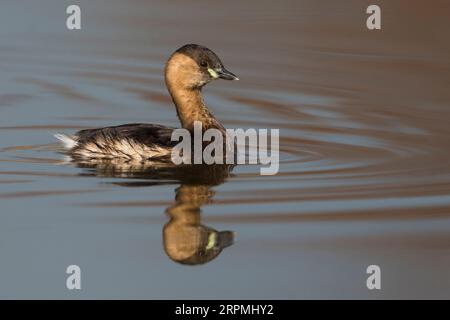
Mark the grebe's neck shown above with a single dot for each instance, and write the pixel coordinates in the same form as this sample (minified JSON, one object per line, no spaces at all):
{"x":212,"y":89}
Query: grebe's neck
{"x":182,"y":80}
{"x":191,"y":107}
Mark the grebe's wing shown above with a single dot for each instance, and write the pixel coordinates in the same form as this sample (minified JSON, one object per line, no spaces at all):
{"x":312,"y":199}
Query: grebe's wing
{"x":140,"y":133}
{"x":130,"y":141}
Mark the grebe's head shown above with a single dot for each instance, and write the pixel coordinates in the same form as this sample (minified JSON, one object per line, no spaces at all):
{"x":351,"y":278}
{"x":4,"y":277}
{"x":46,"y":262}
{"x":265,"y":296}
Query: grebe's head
{"x":193,"y":244}
{"x":192,"y":66}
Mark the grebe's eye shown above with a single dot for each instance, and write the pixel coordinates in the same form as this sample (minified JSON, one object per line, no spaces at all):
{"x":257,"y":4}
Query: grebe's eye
{"x":203,"y":64}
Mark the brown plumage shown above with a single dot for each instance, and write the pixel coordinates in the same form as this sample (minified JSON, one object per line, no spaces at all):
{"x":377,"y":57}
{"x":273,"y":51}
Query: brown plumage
{"x":188,"y":69}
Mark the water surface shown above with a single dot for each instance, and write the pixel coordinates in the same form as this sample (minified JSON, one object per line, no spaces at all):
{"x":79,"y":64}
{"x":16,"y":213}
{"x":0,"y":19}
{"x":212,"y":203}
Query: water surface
{"x":364,"y":175}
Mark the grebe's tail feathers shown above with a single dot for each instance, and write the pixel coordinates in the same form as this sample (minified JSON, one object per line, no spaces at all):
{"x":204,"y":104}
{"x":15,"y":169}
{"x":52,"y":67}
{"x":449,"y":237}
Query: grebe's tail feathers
{"x":67,"y":141}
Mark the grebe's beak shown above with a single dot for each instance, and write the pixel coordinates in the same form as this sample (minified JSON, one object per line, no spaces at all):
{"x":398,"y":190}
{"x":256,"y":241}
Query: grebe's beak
{"x":225,"y":238}
{"x":226,"y":75}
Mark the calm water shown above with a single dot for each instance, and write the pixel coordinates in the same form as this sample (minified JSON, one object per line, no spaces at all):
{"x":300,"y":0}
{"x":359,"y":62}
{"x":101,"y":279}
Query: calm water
{"x":365,"y":158}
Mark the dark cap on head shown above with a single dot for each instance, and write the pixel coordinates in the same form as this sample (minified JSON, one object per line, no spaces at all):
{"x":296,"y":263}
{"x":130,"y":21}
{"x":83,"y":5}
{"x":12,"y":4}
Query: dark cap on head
{"x":208,"y":61}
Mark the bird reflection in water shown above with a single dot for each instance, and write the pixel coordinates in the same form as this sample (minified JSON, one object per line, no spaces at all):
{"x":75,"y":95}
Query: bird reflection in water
{"x":186,"y":240}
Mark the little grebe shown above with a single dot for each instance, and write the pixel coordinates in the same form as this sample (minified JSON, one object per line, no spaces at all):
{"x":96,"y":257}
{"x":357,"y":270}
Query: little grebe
{"x":187,"y":71}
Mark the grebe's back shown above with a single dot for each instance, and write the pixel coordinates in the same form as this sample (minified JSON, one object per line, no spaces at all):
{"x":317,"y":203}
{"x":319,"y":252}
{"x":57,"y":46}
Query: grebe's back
{"x":136,"y":141}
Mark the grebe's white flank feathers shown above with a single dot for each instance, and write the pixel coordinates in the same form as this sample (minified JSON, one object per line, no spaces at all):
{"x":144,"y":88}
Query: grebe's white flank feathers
{"x":68,"y":142}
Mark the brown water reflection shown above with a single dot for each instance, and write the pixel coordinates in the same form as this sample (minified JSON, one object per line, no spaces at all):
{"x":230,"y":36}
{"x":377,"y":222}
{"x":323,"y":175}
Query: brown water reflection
{"x":186,"y":240}
{"x":364,"y":175}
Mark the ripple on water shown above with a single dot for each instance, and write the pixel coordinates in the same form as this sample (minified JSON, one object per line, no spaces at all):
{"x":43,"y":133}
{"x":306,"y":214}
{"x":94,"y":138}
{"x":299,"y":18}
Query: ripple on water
{"x":339,"y":151}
